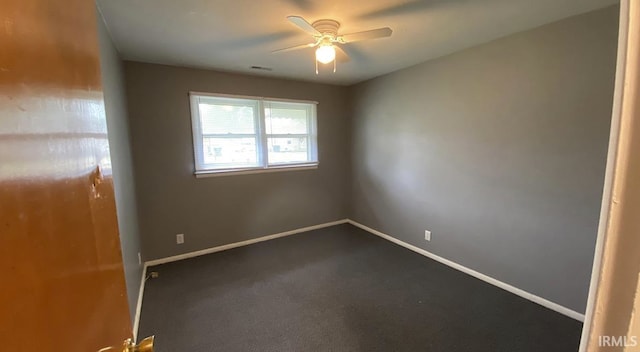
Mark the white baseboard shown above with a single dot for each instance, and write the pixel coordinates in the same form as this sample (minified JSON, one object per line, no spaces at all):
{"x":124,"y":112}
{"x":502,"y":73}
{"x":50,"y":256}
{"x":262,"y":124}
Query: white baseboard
{"x":242,"y":243}
{"x":524,"y":294}
{"x":136,"y":319}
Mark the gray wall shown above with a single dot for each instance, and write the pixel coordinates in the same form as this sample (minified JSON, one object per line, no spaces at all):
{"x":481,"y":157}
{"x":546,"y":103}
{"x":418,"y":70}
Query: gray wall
{"x":117,"y":124}
{"x":221,"y":210}
{"x":499,"y":150}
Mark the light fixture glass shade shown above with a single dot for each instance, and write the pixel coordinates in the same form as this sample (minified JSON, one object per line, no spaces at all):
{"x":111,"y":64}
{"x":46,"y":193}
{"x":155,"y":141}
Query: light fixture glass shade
{"x":325,"y":54}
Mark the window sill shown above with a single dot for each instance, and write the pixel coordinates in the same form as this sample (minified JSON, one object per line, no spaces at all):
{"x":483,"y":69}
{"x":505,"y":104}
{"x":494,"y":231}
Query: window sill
{"x":218,"y":173}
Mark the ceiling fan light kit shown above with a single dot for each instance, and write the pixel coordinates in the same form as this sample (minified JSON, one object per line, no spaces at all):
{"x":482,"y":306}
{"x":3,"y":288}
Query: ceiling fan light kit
{"x":325,"y":54}
{"x":326,"y":38}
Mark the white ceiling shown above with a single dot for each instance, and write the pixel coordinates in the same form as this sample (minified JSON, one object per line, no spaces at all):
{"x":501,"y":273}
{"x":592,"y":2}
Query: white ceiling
{"x":232,"y":35}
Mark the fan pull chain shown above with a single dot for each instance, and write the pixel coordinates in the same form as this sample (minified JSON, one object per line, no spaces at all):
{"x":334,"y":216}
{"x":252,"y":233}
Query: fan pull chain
{"x":334,"y":66}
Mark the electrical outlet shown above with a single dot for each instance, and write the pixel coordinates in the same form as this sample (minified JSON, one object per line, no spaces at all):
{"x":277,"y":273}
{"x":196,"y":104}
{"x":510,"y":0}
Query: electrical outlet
{"x":180,"y":238}
{"x":427,"y":235}
{"x":139,"y":259}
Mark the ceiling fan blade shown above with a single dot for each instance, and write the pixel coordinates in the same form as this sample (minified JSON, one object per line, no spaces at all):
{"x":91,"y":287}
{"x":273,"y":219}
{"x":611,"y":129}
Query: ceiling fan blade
{"x":305,"y":5}
{"x":341,"y":55}
{"x":297,"y":47}
{"x":303,"y":24}
{"x":371,"y":34}
{"x":354,"y":53}
{"x":406,"y":8}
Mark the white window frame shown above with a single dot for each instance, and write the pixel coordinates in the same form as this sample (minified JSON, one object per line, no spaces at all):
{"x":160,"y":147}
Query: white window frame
{"x":201,"y":169}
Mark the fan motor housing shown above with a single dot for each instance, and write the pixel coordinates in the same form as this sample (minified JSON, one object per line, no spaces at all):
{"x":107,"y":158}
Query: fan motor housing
{"x":327,"y":27}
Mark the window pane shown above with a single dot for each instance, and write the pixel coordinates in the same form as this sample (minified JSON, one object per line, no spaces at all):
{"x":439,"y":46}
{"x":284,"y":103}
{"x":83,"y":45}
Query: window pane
{"x":287,"y":150}
{"x":227,"y":117}
{"x":229,"y":152}
{"x":285,"y":118}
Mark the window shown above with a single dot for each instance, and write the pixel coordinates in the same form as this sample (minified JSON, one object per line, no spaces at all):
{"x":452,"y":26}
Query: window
{"x":249,"y":134}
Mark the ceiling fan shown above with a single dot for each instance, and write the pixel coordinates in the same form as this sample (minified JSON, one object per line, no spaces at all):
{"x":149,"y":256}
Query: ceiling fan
{"x":327,"y":39}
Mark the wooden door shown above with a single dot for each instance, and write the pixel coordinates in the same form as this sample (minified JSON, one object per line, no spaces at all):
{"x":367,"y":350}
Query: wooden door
{"x":62,"y":281}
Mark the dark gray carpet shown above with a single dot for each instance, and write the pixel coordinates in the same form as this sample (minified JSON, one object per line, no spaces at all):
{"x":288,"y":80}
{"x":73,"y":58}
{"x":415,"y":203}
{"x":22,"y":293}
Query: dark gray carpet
{"x":339,"y":289}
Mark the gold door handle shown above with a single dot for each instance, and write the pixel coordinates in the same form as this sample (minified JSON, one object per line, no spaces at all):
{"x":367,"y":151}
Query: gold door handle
{"x":145,"y":345}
